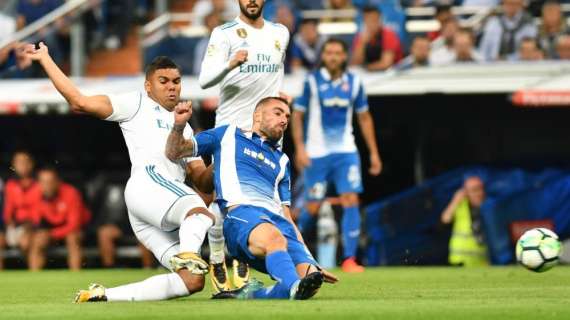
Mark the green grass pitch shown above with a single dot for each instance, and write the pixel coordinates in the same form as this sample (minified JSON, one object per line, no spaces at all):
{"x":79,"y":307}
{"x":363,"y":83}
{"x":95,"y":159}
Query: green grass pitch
{"x":379,"y":293}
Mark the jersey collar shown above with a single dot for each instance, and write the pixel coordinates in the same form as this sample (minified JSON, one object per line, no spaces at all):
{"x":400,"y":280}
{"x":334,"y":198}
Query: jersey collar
{"x":327,"y":76}
{"x":257,"y":138}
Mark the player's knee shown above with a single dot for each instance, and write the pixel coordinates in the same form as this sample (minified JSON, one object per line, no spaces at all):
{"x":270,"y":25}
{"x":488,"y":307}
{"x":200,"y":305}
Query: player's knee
{"x":204,"y":211}
{"x":349,"y":199}
{"x":313,"y":208}
{"x":276,"y":241}
{"x":194,"y":283}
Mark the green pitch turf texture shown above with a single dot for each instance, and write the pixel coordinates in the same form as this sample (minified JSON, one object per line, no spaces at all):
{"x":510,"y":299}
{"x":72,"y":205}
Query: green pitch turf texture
{"x":379,"y":293}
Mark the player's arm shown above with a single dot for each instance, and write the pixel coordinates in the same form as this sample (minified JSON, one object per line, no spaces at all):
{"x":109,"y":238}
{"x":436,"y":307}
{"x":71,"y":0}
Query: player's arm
{"x":201,"y":176}
{"x":366,"y":124}
{"x":217,"y":62}
{"x":449,"y":212}
{"x":300,"y":106}
{"x":98,"y":106}
{"x":358,"y":48}
{"x":177,"y":146}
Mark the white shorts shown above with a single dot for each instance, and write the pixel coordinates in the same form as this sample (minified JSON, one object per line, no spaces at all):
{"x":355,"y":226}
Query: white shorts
{"x":157,"y":205}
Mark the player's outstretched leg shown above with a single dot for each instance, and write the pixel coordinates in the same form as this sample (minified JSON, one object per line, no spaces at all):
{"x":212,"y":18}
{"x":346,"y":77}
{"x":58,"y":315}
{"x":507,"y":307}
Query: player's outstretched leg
{"x":192,"y":233}
{"x":266,"y":241}
{"x":216,"y":241}
{"x":159,"y":287}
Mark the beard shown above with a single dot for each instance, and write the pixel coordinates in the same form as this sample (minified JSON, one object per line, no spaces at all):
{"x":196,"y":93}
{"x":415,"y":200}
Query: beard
{"x":272,"y":134}
{"x":252,"y":16}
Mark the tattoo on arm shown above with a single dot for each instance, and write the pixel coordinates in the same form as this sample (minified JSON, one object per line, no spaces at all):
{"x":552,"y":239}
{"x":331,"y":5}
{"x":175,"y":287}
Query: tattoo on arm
{"x":176,"y":146}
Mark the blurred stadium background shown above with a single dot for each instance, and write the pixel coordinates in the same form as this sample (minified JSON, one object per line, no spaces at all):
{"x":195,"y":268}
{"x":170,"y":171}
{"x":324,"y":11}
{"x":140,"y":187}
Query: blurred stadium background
{"x":442,"y":113}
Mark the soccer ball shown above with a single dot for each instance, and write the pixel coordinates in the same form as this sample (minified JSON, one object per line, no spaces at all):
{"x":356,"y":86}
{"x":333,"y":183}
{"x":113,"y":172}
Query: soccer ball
{"x":538,"y":249}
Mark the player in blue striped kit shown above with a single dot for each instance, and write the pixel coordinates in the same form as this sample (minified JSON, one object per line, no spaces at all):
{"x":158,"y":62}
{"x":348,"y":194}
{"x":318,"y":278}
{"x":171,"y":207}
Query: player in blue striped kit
{"x":325,"y":147}
{"x":252,"y":182}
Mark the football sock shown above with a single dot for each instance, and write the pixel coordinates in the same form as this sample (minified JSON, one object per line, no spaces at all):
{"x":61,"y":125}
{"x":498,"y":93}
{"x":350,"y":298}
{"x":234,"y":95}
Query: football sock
{"x":160,"y":287}
{"x":216,"y":239}
{"x":306,"y":221}
{"x":350,"y":231}
{"x":193,"y":231}
{"x":281,"y":268}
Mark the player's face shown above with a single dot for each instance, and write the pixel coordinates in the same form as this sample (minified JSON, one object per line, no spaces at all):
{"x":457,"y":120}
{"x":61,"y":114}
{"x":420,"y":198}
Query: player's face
{"x":49,"y":183}
{"x":333,"y":57}
{"x":274,"y":119}
{"x":251,"y":8}
{"x":22,"y":164}
{"x":163,"y":86}
{"x":475,"y":191}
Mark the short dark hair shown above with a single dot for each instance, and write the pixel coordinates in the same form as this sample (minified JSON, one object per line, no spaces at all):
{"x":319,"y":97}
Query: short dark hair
{"x":160,"y":62}
{"x":371,"y":9}
{"x":49,"y":168}
{"x":442,"y":8}
{"x":310,"y":21}
{"x":267,"y":99}
{"x":22,"y":151}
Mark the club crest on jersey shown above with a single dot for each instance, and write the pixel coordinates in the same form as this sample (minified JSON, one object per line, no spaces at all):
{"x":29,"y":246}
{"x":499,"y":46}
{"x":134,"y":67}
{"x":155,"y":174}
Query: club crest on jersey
{"x":277,"y":45}
{"x":242,"y":33}
{"x":345,"y":87}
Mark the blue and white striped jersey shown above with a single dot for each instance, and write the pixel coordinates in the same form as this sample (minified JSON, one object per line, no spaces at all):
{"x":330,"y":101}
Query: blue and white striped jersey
{"x":328,"y":106}
{"x":248,"y":169}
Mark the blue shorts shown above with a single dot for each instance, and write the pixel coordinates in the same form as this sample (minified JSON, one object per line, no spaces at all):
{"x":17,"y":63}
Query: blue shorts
{"x":341,"y":169}
{"x":239,"y":223}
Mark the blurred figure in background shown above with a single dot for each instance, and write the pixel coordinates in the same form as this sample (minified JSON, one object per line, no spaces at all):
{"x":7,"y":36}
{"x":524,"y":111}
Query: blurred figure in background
{"x":553,"y":25}
{"x":442,"y":15}
{"x":212,"y":20}
{"x":563,"y":47}
{"x":419,"y":54}
{"x":332,"y":5}
{"x":503,"y":33}
{"x":226,"y":9}
{"x":2,"y":227}
{"x":326,"y":153}
{"x":442,"y":50}
{"x":59,"y":213}
{"x":376,"y":47}
{"x":285,"y":16}
{"x":307,"y":45}
{"x":464,"y":47}
{"x":467,"y":244}
{"x":529,"y":50}
{"x":18,"y":200}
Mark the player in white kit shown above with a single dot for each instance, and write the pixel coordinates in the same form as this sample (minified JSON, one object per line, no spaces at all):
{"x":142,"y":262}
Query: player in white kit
{"x":167,"y":216}
{"x":245,"y":57}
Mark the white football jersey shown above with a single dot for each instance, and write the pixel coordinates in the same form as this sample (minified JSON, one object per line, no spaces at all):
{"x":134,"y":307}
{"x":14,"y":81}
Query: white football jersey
{"x":146,"y":126}
{"x":261,"y":76}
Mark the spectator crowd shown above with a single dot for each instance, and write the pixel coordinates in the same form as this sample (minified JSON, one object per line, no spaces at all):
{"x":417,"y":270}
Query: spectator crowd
{"x":40,"y":211}
{"x":512,"y":32}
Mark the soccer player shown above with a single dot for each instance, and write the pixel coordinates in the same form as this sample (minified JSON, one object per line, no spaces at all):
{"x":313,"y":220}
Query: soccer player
{"x":245,"y":57}
{"x":167,"y":216}
{"x":252,"y":182}
{"x":324,"y":143}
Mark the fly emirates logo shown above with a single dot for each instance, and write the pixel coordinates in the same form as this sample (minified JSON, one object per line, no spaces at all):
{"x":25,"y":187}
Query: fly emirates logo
{"x":263,"y":65}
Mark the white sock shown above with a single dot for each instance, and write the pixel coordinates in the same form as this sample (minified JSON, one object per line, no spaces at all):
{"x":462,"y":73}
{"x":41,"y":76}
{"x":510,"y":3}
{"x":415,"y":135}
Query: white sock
{"x":216,"y":237}
{"x":160,"y":287}
{"x":193,"y":231}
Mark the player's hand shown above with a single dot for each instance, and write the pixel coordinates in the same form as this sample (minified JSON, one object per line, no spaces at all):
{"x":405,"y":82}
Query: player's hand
{"x":302,"y":160}
{"x":39,"y":54}
{"x":182,"y":112}
{"x":329,"y":277}
{"x":238,"y":59}
{"x":375,"y":165}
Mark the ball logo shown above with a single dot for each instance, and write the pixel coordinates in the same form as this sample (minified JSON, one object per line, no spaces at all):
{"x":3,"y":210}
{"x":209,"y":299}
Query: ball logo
{"x":260,"y":156}
{"x":242,"y":33}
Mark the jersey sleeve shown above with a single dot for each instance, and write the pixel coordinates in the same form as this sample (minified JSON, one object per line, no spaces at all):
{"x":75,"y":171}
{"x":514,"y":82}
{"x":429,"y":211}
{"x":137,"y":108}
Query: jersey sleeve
{"x":360,"y":99}
{"x":302,"y":103}
{"x":206,"y":142}
{"x":285,"y":186}
{"x":215,"y":65}
{"x":125,"y":106}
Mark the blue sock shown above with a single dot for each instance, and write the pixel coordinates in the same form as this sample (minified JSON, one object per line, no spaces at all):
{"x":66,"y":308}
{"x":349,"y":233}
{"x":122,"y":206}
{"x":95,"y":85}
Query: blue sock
{"x":306,"y":221}
{"x":350,"y":231}
{"x":281,"y":268}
